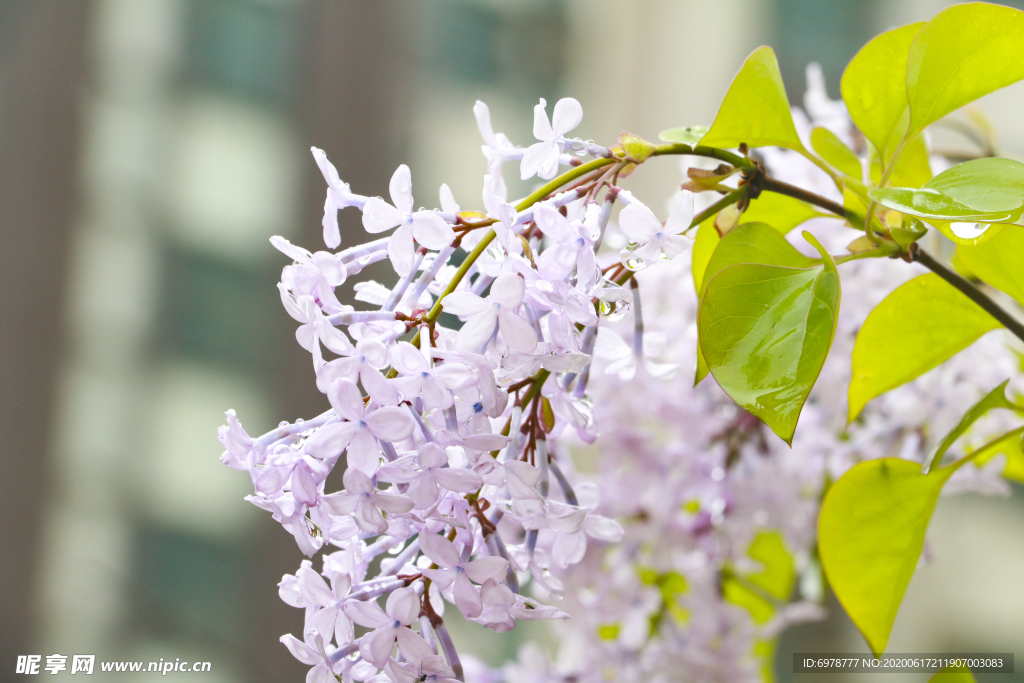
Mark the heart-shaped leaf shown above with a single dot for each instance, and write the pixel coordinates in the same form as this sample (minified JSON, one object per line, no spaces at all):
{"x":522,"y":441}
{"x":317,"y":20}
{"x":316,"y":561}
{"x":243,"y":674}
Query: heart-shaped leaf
{"x":748,"y":243}
{"x":920,"y":325}
{"x":872,"y":524}
{"x":870,"y":533}
{"x":981,"y":190}
{"x":765,"y":331}
{"x":964,"y":52}
{"x":998,"y":261}
{"x":755,"y":109}
{"x":874,"y":85}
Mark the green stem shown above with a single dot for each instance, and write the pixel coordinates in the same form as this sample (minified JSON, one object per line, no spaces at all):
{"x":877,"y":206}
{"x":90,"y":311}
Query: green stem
{"x":967,"y":289}
{"x":678,"y":148}
{"x":885,"y":249}
{"x":728,"y":200}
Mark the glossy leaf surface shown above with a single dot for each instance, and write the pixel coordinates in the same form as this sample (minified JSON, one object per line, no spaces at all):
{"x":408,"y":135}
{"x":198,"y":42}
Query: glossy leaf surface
{"x":870,"y":532}
{"x":921,"y":324}
{"x":840,"y":157}
{"x":999,"y":261}
{"x":755,"y":109}
{"x":874,"y":85}
{"x":965,"y":51}
{"x":765,"y":331}
{"x":985,"y":190}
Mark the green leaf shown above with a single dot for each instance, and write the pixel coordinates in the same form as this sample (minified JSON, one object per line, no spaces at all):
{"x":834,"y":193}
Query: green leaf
{"x":635,"y":147}
{"x":778,"y":575}
{"x":985,"y":190}
{"x":1012,"y":448}
{"x":765,"y":331}
{"x":738,"y":593}
{"x":755,"y":109}
{"x":753,"y":243}
{"x":874,"y":85}
{"x":873,"y":520}
{"x":964,"y":52}
{"x":703,"y":247}
{"x":750,"y":243}
{"x":913,"y":168}
{"x":968,"y":234}
{"x":953,"y":674}
{"x":870,"y":532}
{"x":779,"y":211}
{"x":921,"y":324}
{"x":991,"y":401}
{"x":754,"y":591}
{"x":830,"y":148}
{"x":688,"y":135}
{"x":999,"y":261}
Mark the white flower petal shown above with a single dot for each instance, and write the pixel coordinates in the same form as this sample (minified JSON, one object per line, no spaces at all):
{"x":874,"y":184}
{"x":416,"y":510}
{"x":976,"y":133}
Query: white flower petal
{"x":638,"y":223}
{"x":477,"y":331}
{"x":464,"y":303}
{"x":401,"y":250}
{"x":440,"y":550}
{"x":516,"y":332}
{"x":681,"y":216}
{"x":346,"y":399}
{"x":567,"y":115}
{"x":541,"y":125}
{"x":379,"y":216}
{"x":390,"y":423}
{"x":431,"y":230}
{"x":508,"y":290}
{"x":401,"y":189}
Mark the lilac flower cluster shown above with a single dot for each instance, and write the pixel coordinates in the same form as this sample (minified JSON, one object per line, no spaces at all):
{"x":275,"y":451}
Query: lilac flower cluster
{"x":443,"y":428}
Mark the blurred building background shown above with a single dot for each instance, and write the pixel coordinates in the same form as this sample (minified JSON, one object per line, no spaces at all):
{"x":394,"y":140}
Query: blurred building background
{"x":148,"y":149}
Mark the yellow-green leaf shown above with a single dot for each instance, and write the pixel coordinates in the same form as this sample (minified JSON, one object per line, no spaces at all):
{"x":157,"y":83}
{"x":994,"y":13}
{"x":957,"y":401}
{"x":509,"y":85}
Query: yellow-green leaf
{"x":687,"y":135}
{"x":953,"y":674}
{"x":999,"y":261}
{"x":988,"y":190}
{"x":840,"y":157}
{"x":991,"y":401}
{"x":736,"y":592}
{"x":1010,"y":447}
{"x":964,"y":52}
{"x":874,"y":85}
{"x":778,"y":575}
{"x":765,"y":331}
{"x":703,"y":247}
{"x":755,"y":109}
{"x":968,"y":234}
{"x":635,"y":147}
{"x":873,"y":520}
{"x":913,"y":168}
{"x":870,"y":532}
{"x":780,"y":211}
{"x":921,"y":324}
